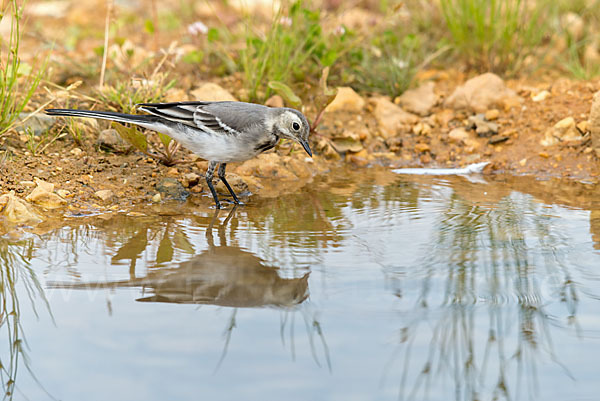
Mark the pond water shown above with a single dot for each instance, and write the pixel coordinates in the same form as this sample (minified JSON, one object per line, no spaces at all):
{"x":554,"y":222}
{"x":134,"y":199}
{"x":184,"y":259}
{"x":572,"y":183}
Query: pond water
{"x":362,"y":286}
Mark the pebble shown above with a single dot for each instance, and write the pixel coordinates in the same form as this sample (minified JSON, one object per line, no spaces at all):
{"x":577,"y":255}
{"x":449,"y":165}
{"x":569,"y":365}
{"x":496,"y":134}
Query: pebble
{"x":391,"y":118}
{"x":564,"y":130}
{"x":346,"y":99}
{"x":76,"y":152}
{"x":492,"y":114}
{"x":173,"y":172}
{"x":458,"y":134}
{"x":540,"y":96}
{"x":483,"y":127}
{"x":156,"y":198}
{"x":421,"y":129}
{"x":496,"y":139}
{"x":190,"y":180}
{"x":419,"y":101}
{"x":212,"y":92}
{"x":104,"y":195}
{"x":170,"y":188}
{"x":38,"y":123}
{"x":63,"y":193}
{"x":422,"y":147}
{"x":481,"y":93}
{"x":275,"y":101}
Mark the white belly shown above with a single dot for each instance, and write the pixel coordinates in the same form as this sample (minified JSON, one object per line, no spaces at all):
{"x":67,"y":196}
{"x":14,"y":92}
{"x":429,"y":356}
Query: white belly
{"x":222,"y":148}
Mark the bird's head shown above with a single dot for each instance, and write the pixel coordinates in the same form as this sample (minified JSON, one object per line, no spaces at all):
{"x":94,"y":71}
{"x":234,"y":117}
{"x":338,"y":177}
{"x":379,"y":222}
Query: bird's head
{"x":292,"y":124}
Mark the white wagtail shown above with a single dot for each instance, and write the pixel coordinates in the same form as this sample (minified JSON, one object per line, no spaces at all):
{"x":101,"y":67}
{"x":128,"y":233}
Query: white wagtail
{"x":220,"y":132}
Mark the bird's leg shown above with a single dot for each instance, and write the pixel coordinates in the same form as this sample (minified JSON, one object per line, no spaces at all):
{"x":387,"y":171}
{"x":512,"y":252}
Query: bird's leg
{"x":210,"y":171}
{"x":221,"y":174}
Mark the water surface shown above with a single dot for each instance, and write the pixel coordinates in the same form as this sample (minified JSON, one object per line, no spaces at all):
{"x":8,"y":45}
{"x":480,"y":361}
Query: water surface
{"x":365,"y":286}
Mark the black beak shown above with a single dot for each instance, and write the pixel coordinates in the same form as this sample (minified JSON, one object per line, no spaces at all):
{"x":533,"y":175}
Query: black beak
{"x":304,"y":144}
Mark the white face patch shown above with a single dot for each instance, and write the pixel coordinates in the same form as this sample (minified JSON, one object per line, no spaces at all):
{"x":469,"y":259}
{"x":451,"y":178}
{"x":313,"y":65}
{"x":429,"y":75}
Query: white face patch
{"x":293,"y":124}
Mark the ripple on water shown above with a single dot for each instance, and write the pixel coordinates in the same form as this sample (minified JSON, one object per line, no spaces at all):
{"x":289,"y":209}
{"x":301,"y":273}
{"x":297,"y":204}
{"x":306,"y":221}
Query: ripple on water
{"x":330,"y":287}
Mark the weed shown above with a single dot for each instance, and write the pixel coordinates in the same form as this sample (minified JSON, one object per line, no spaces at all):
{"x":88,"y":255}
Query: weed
{"x":496,"y":35}
{"x":18,"y":81}
{"x":389,"y":64}
{"x":579,"y":25}
{"x":294,"y":48}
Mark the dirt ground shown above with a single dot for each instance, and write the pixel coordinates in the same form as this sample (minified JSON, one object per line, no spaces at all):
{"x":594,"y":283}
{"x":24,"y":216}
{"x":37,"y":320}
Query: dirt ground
{"x":133,"y":177}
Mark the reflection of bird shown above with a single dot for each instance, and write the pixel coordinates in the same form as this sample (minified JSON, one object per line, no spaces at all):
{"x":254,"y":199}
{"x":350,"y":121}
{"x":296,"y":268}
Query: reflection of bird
{"x":220,"y":132}
{"x":221,"y":275}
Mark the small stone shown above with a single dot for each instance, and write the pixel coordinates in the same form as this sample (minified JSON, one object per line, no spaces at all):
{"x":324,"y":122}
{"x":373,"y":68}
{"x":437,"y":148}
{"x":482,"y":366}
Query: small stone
{"x":482,"y":127}
{"x":480,"y":93}
{"x":46,"y":186}
{"x":346,"y":99}
{"x":275,"y":101}
{"x":422,"y":147}
{"x":170,"y":188}
{"x":391,"y":118}
{"x":420,"y":100}
{"x":211,"y":92}
{"x":523,"y":162}
{"x":544,"y":155}
{"x":76,"y":152}
{"x":496,"y":139}
{"x":109,"y":140}
{"x":394,"y":144}
{"x":190,"y":180}
{"x":63,"y":193}
{"x":564,"y":130}
{"x":421,"y":129}
{"x":172,"y":172}
{"x":156,"y":198}
{"x":458,"y":134}
{"x":104,"y":195}
{"x":37,"y":123}
{"x":17,"y":211}
{"x":492,"y":114}
{"x":540,"y":96}
{"x":29,"y":184}
{"x":583,"y":126}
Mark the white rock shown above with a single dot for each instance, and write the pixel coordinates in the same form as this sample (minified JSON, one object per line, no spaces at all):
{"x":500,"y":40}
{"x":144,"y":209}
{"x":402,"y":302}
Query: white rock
{"x":420,"y":100}
{"x":104,"y":195}
{"x":481,"y":93}
{"x":211,"y":92}
{"x":347,"y":100}
{"x":564,"y":130}
{"x":458,"y":134}
{"x":540,"y":96}
{"x":391,"y":118}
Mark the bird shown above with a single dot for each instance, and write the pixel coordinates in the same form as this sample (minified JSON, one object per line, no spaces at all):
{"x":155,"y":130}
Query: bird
{"x":219,"y":132}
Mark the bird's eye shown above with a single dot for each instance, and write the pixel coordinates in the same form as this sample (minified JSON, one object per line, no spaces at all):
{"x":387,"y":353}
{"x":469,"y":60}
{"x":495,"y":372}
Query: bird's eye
{"x":296,"y":126}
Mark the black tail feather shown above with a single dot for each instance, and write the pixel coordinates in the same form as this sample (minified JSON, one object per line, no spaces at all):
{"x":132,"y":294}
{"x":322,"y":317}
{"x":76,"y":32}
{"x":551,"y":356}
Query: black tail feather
{"x":104,"y":115}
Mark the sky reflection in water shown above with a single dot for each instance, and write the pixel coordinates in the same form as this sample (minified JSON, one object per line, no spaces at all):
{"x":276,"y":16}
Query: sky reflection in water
{"x":380,"y":287}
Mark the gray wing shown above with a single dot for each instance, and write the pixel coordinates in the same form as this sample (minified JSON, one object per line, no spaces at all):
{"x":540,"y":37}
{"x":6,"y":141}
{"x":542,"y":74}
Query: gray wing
{"x":220,"y":118}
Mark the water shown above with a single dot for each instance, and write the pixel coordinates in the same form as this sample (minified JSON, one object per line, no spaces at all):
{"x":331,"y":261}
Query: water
{"x":367,"y":287}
